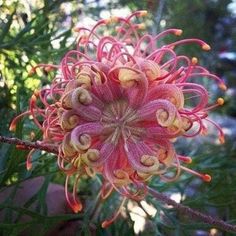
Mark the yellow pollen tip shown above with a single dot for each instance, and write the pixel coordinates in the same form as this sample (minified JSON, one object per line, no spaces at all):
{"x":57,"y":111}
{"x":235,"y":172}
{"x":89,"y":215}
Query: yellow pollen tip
{"x":206,"y":47}
{"x":105,"y":224}
{"x":107,"y":21}
{"x":178,"y":32}
{"x":223,"y":87}
{"x":141,"y":26}
{"x":220,"y":101}
{"x":194,"y":60}
{"x":33,"y":98}
{"x":112,"y":19}
{"x":36,"y":92}
{"x":189,"y":160}
{"x":28,"y":166}
{"x":143,"y":13}
{"x":206,"y":178}
{"x":77,"y":208}
{"x":222,"y":139}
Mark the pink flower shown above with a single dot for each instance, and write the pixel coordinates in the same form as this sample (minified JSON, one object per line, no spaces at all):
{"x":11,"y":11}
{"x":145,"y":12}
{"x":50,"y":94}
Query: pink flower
{"x":117,"y":104}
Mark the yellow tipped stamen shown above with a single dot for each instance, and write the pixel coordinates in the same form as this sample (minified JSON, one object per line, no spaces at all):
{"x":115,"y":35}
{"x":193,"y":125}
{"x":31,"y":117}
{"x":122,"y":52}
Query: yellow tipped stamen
{"x":107,"y":21}
{"x":141,"y":26}
{"x":206,"y":47}
{"x":204,"y":132}
{"x":77,"y":208}
{"x":29,"y":166}
{"x":29,"y":160}
{"x":143,"y":13}
{"x":206,"y":178}
{"x":220,"y":101}
{"x":194,"y":60}
{"x":77,"y":162}
{"x":112,"y":19}
{"x":149,"y":161}
{"x":93,"y":155}
{"x":178,"y":32}
{"x":36,"y":92}
{"x":186,"y":159}
{"x":106,"y":191}
{"x":12,"y":127}
{"x":189,"y":161}
{"x":108,"y":222}
{"x":33,"y":98}
{"x":223,"y":87}
{"x":221,"y":139}
{"x":16,"y":120}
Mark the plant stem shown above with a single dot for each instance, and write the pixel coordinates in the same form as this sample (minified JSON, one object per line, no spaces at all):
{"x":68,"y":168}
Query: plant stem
{"x":193,"y":214}
{"x":29,"y":145}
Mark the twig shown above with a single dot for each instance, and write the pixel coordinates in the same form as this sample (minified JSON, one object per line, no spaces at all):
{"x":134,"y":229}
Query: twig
{"x":193,"y":214}
{"x":29,"y":145}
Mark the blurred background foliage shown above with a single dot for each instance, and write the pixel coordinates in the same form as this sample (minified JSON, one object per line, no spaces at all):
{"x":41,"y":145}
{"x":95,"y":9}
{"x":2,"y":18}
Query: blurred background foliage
{"x":38,"y":31}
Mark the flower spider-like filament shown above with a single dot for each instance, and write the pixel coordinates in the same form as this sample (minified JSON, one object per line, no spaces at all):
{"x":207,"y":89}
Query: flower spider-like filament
{"x":67,"y":148}
{"x":83,"y":78}
{"x":80,"y":96}
{"x":169,"y":92}
{"x":165,"y":153}
{"x":117,"y":104}
{"x":76,"y":97}
{"x":121,"y":177}
{"x":69,"y":120}
{"x":204,"y":177}
{"x":150,"y":68}
{"x":107,"y":223}
{"x":106,"y":190}
{"x":186,"y":123}
{"x":82,"y":143}
{"x":185,"y":159}
{"x":70,"y":86}
{"x":140,"y":159}
{"x":91,"y":156}
{"x":136,"y":190}
{"x":73,"y":201}
{"x":81,"y":136}
{"x":17,"y":119}
{"x":128,"y":77}
{"x":29,"y":159}
{"x":151,"y":162}
{"x":165,"y":113}
{"x":95,"y":158}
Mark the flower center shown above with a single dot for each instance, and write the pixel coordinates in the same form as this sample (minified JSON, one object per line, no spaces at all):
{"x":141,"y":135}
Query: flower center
{"x":120,"y":121}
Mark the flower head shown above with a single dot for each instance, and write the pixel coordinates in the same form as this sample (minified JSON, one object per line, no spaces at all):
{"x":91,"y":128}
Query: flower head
{"x":118,"y":103}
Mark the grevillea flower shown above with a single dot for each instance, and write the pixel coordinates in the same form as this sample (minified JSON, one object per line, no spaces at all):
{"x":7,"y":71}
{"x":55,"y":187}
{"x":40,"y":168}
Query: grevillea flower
{"x":118,"y":103}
